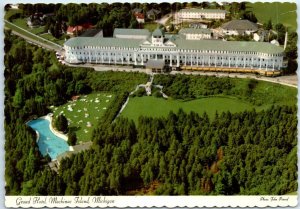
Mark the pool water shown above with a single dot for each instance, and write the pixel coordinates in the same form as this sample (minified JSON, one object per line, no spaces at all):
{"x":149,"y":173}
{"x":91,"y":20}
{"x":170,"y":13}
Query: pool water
{"x":48,"y":142}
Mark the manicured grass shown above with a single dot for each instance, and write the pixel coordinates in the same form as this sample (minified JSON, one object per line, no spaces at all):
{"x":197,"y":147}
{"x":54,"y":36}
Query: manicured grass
{"x":22,"y":23}
{"x":37,"y":31}
{"x":267,"y":93}
{"x":286,"y":13}
{"x":87,"y":109}
{"x":12,"y":27}
{"x":151,"y":26}
{"x":157,"y":107}
{"x":26,"y":33}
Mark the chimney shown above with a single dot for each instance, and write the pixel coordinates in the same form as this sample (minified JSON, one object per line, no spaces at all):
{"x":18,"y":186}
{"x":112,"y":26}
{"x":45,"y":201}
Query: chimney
{"x":285,"y":39}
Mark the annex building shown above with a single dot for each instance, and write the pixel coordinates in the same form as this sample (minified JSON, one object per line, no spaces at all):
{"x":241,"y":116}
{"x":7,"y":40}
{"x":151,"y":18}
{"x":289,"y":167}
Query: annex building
{"x":239,"y":27}
{"x":196,"y":13}
{"x":137,"y":47}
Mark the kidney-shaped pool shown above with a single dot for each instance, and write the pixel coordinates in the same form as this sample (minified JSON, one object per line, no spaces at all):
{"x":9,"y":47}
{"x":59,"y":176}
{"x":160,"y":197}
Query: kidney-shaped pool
{"x":48,"y":142}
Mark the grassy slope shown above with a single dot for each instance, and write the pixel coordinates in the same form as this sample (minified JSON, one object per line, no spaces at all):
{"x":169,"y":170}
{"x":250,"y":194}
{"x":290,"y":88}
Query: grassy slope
{"x":156,"y":107}
{"x":266,"y":11}
{"x":150,"y":26}
{"x":268,"y":93}
{"x":78,"y":120}
{"x":265,"y":94}
{"x":22,"y":23}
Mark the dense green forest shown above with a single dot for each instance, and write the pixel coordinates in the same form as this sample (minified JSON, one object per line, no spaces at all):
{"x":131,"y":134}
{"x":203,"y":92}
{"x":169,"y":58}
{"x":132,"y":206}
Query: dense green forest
{"x":34,"y":80}
{"x":246,"y":153}
{"x":243,"y":153}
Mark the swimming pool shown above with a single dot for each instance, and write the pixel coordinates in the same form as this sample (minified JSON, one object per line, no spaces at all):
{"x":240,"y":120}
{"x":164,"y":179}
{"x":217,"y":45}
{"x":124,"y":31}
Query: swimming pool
{"x":48,"y":142}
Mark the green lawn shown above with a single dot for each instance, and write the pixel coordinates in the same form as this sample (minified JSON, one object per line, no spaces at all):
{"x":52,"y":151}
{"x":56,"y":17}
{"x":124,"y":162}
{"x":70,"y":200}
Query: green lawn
{"x":29,"y":35}
{"x":267,"y":93}
{"x":37,"y":31}
{"x":87,"y":109}
{"x":151,"y":26}
{"x":22,"y":23}
{"x":286,"y":13}
{"x":156,"y":107}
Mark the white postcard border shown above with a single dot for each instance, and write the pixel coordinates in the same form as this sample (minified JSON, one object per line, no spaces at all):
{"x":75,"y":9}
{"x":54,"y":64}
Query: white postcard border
{"x":150,"y":201}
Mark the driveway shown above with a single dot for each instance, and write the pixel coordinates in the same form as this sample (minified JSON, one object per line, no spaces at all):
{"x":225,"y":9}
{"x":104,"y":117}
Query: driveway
{"x":164,"y":19}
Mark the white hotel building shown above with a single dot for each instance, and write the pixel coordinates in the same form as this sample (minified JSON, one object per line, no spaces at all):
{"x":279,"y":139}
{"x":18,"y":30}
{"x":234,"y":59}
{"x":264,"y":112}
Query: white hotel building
{"x":136,"y":47}
{"x":195,"y":13}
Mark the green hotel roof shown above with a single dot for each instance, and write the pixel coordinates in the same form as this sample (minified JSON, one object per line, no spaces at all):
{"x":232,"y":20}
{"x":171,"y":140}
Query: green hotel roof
{"x":216,"y":45}
{"x":195,"y":31}
{"x":158,"y":32}
{"x":131,"y":32}
{"x":104,"y":42}
{"x":203,"y":10}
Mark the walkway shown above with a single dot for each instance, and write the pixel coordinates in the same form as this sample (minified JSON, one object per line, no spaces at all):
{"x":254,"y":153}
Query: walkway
{"x":288,"y":80}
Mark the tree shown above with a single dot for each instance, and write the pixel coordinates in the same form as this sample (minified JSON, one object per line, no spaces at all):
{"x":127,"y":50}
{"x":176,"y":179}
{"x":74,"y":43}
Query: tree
{"x":31,"y":166}
{"x":72,"y":138}
{"x":280,"y":29}
{"x":171,"y":29}
{"x":61,"y":123}
{"x":268,"y":25}
{"x":250,"y":16}
{"x":133,"y":22}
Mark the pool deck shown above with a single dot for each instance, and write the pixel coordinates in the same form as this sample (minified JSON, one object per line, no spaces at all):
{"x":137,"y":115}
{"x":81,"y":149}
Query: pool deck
{"x":57,"y":133}
{"x":54,"y":164}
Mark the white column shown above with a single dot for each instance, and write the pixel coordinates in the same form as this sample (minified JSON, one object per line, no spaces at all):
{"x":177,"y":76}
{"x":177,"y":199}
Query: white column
{"x":259,"y":63}
{"x":215,"y":60}
{"x":178,"y":61}
{"x":244,"y":61}
{"x":135,"y":62}
{"x":102,"y":57}
{"x":209,"y":60}
{"x":273,"y":63}
{"x":251,"y":62}
{"x":191,"y":60}
{"x":148,"y":56}
{"x":128,"y":59}
{"x":203,"y":61}
{"x":142,"y":59}
{"x":109,"y":54}
{"x":170,"y":60}
{"x":90,"y":56}
{"x":115,"y":58}
{"x":267,"y":65}
{"x":122,"y":58}
{"x":197,"y":60}
{"x":185,"y":59}
{"x":229,"y":58}
{"x":236,"y":62}
{"x":222,"y":61}
{"x":156,"y":56}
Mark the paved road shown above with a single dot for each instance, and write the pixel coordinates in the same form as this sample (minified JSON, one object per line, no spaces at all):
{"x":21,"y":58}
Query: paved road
{"x":164,"y":19}
{"x":289,"y":80}
{"x":35,"y":42}
{"x":40,"y":41}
